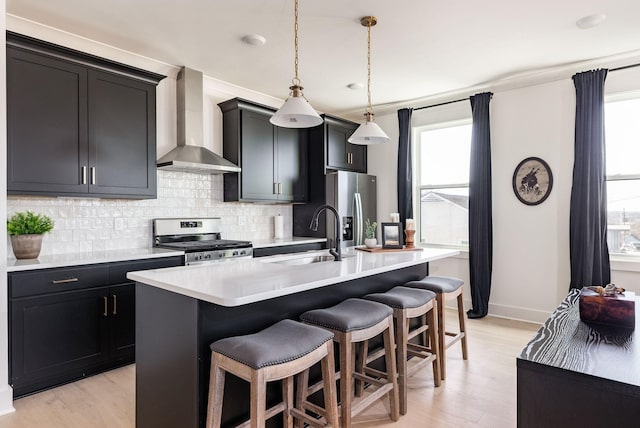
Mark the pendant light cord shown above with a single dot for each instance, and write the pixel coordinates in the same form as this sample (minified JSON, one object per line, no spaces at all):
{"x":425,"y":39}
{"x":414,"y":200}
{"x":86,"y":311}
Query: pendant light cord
{"x":369,"y":109}
{"x":296,"y":80}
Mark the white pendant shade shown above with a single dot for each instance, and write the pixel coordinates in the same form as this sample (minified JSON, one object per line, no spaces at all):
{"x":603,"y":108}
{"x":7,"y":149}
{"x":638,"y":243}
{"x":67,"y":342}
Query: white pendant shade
{"x":368,"y":133}
{"x":296,"y":112}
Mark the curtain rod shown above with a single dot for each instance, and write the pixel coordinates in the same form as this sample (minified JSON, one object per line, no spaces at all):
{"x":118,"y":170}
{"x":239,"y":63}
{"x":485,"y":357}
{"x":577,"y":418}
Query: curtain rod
{"x":442,"y":104}
{"x":624,"y":67}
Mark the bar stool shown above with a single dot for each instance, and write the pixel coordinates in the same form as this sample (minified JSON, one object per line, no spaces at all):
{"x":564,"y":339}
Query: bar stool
{"x":354,"y":321}
{"x":281,"y":351}
{"x":408,"y":303}
{"x":445,"y":288}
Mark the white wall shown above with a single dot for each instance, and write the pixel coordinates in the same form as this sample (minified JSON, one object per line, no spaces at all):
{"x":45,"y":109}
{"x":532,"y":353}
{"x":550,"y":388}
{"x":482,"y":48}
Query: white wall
{"x":531,"y":270}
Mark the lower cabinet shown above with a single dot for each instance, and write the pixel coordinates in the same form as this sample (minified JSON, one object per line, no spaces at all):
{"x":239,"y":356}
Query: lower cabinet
{"x":68,"y":323}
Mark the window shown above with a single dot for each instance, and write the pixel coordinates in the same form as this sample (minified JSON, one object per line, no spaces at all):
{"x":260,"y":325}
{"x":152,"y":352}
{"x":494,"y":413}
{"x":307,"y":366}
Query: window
{"x":442,"y":184}
{"x":622,"y":128}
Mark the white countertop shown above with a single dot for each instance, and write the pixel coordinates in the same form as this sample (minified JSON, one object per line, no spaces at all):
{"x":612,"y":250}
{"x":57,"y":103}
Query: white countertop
{"x":75,"y":259}
{"x":290,"y":240}
{"x":242,"y":281}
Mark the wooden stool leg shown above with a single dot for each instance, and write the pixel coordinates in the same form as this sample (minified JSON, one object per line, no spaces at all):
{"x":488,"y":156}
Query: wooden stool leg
{"x":258,"y":404}
{"x":392,"y":371}
{"x":301,"y":395}
{"x":329,"y":380}
{"x":435,"y":348}
{"x":361,"y":362}
{"x":441,"y":335}
{"x":402,"y":332}
{"x":462,"y":326}
{"x":216,"y":393}
{"x":287,"y":399}
{"x":346,"y":377}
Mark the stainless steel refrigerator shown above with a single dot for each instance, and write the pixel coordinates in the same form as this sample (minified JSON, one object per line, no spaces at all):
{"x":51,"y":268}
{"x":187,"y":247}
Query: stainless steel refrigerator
{"x":353,"y":195}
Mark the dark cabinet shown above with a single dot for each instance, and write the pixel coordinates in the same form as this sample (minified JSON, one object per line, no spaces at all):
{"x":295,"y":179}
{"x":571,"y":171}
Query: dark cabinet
{"x":78,"y":125}
{"x":273,"y":159}
{"x":67,"y":323}
{"x":340,"y":154}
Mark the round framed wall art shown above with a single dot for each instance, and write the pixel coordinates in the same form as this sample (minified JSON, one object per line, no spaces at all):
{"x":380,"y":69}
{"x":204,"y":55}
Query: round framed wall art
{"x":532,"y":181}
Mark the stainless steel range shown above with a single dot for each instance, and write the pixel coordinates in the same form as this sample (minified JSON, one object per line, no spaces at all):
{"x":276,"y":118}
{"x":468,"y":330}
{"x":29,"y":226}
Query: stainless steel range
{"x":199,"y":238}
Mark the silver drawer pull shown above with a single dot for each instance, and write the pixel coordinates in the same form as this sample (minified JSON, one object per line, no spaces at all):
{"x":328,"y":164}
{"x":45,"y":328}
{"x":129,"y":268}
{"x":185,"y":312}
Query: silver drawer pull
{"x":106,"y":303}
{"x":64,"y":281}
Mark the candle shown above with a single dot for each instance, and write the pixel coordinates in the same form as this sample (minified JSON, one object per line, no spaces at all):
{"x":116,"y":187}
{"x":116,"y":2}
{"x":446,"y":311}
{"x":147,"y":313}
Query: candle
{"x":410,"y":224}
{"x":395,"y":217}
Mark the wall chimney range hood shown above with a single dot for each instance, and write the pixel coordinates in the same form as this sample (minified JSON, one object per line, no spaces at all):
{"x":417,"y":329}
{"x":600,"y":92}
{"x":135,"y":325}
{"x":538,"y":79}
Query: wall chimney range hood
{"x":189,"y":155}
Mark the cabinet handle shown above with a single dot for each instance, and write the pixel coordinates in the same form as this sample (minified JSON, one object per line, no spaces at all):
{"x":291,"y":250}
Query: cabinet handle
{"x":350,"y":158}
{"x":84,"y":174}
{"x":64,"y":281}
{"x":279,"y":188}
{"x":104,"y":299}
{"x":115,"y":304}
{"x":275,"y":188}
{"x":93,"y":175}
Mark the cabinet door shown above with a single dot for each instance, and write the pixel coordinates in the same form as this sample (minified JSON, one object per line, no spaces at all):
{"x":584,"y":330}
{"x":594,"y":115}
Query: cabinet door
{"x":122,"y":324}
{"x":56,"y":337}
{"x":291,"y":164}
{"x":257,"y":155}
{"x":122,"y":150}
{"x":340,"y":153}
{"x":46,"y":124}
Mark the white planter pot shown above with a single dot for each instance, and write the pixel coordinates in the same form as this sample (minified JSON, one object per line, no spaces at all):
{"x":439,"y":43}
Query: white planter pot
{"x":370,"y":242}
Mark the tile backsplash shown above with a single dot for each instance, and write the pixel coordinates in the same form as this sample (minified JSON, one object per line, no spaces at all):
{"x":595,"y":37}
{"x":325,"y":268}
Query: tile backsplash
{"x":85,"y":224}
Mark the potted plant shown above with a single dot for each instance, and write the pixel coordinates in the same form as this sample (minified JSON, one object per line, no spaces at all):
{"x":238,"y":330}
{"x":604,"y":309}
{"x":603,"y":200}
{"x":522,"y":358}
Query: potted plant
{"x":25,"y":231}
{"x":370,"y":233}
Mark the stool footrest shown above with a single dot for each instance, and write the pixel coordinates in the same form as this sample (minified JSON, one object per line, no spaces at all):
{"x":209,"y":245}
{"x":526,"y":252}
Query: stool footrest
{"x":456,"y":337}
{"x":369,"y":379}
{"x":360,"y":404}
{"x":308,"y":419}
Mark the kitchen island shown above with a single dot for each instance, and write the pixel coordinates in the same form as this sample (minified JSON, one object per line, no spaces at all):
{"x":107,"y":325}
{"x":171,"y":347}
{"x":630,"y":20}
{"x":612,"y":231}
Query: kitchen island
{"x":181,"y":311}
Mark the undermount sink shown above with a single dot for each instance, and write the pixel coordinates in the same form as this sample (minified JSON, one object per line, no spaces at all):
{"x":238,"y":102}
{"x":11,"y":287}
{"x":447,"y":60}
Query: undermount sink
{"x":304,"y":259}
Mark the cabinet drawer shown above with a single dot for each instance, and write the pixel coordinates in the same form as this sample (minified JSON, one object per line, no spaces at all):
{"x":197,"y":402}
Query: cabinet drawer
{"x":118,"y":272}
{"x":25,"y":284}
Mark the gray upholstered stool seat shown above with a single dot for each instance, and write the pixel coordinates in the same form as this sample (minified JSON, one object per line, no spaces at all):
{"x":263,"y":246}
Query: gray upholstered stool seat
{"x":437,"y":284}
{"x":445,"y":287}
{"x":355,"y":321}
{"x":279,"y":352}
{"x":409,"y":303}
{"x":402,"y":297}
{"x":284,"y":341}
{"x":349,"y":315}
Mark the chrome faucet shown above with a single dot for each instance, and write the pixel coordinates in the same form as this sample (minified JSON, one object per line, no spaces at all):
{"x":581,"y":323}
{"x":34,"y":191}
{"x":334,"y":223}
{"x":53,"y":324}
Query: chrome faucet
{"x":337,"y":253}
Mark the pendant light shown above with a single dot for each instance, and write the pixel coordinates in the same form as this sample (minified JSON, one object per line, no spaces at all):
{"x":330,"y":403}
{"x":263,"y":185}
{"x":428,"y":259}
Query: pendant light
{"x":296,"y":112}
{"x":369,"y":132}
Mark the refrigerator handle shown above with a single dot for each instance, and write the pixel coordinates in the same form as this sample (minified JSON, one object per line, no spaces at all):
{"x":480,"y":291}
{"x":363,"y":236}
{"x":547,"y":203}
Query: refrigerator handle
{"x":359,"y":221}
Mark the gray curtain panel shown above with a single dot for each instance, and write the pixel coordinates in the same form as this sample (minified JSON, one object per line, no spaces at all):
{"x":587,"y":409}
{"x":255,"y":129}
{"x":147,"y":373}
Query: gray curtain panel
{"x":480,"y":213}
{"x":405,"y":173}
{"x":588,"y":217}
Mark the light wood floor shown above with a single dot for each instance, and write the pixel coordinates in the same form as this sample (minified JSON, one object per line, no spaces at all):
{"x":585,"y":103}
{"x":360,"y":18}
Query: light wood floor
{"x":479,"y":392}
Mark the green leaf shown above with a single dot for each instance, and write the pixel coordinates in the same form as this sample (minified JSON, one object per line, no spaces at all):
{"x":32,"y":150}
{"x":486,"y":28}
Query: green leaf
{"x":27,"y":223}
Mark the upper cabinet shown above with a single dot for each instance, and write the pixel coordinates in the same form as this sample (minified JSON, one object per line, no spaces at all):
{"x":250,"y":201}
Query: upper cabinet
{"x":273,"y":159}
{"x":78,"y":125}
{"x":339,"y":153}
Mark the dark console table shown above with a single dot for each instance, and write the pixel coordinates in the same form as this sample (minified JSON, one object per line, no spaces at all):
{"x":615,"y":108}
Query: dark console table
{"x":572,"y":374}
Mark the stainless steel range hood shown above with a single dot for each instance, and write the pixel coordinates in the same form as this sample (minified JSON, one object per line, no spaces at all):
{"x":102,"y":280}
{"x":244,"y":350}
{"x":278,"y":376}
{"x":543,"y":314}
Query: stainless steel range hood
{"x":190,"y":156}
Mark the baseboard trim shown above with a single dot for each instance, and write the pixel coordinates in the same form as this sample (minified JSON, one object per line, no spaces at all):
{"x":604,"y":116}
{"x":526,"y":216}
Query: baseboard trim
{"x":6,"y":400}
{"x":515,"y":313}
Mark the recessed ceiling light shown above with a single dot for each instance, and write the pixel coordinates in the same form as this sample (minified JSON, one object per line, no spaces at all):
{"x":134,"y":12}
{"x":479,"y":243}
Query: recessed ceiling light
{"x":355,"y":86}
{"x":254,"y":40}
{"x":590,"y":21}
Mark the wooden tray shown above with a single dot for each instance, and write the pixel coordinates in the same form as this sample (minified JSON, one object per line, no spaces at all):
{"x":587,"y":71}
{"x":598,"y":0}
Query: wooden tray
{"x":387,"y":250}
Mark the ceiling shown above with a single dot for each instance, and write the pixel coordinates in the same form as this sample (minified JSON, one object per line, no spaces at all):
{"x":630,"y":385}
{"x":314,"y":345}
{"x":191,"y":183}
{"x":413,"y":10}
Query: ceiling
{"x":420,"y":48}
